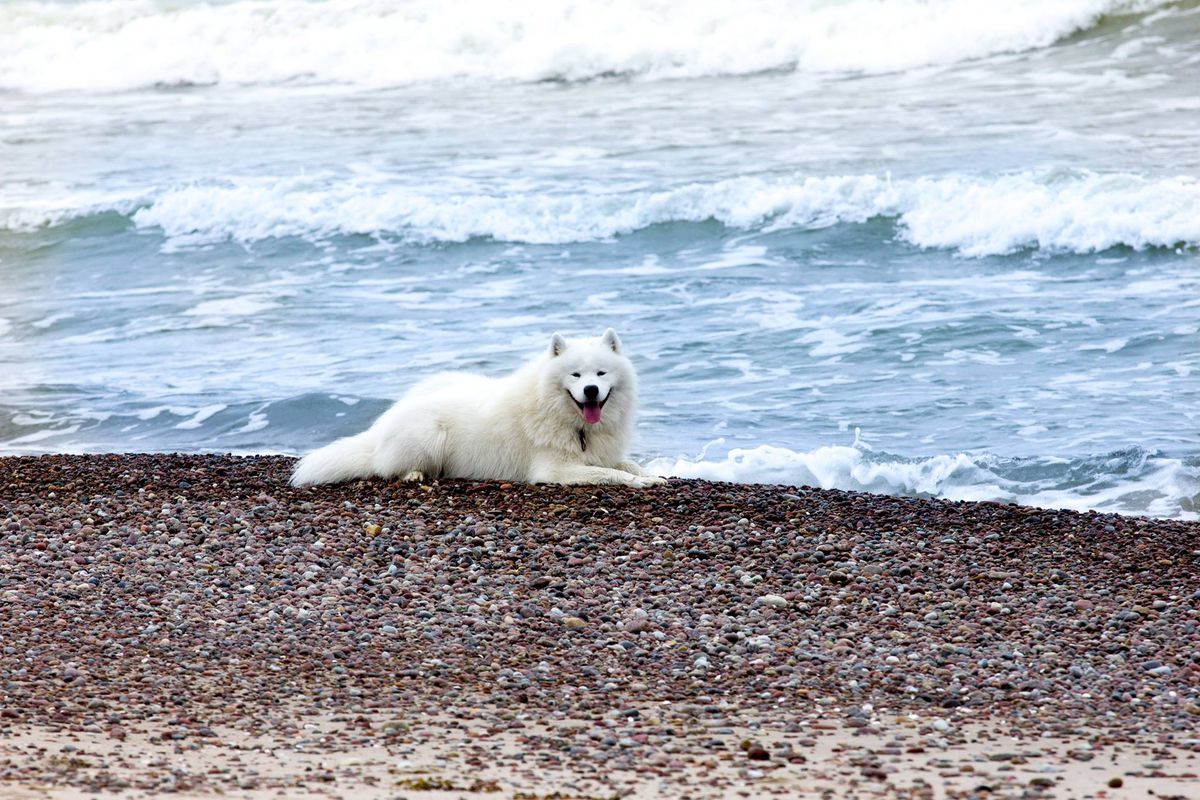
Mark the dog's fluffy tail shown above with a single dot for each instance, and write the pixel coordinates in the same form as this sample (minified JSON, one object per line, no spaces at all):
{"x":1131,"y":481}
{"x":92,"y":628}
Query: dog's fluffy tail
{"x":340,"y":461}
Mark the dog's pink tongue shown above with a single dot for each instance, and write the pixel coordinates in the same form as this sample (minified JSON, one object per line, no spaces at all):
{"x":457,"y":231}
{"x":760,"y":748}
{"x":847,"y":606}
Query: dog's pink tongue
{"x":591,"y":413}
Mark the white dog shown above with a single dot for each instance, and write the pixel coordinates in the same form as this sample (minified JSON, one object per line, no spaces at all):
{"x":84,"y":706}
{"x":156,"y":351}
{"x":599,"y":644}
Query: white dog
{"x":565,"y":417}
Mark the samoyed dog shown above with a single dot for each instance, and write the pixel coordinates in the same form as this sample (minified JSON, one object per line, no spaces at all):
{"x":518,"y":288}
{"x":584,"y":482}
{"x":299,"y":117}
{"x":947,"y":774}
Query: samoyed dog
{"x":565,"y":417}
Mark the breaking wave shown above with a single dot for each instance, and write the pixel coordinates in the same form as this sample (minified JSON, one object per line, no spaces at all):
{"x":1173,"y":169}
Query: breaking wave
{"x":115,"y":45}
{"x":1072,"y":212}
{"x":1133,"y":481}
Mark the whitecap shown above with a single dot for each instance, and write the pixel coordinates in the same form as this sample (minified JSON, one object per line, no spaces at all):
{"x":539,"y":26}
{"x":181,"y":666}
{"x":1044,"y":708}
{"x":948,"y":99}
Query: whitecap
{"x":827,"y":342}
{"x":1079,"y":212}
{"x":220,"y":310}
{"x":256,"y":421}
{"x":197,"y":419}
{"x":112,"y":45}
{"x":1133,"y":481}
{"x":47,"y":321}
{"x":1110,"y":346}
{"x":37,"y":436}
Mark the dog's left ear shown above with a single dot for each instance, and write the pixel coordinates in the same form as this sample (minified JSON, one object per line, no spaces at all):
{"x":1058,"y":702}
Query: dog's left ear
{"x":610,"y":338}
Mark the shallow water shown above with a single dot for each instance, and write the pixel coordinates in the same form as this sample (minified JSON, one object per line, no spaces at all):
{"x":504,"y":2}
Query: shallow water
{"x":850,"y":244}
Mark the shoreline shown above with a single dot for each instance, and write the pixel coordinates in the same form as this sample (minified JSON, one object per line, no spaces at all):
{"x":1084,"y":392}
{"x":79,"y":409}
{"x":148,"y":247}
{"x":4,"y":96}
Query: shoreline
{"x":178,"y":601}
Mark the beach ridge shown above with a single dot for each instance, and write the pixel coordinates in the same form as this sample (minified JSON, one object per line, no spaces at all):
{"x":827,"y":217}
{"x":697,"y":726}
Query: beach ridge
{"x":183,"y":601}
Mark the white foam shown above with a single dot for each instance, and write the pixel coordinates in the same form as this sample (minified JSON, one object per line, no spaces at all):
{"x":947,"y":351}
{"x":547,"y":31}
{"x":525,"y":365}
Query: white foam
{"x":129,"y":44}
{"x":1132,"y":482}
{"x":47,"y":321}
{"x":230,"y":307}
{"x":835,"y":467}
{"x":1080,"y":212}
{"x":197,"y":419}
{"x":1110,"y":346}
{"x":828,"y":342}
{"x":37,"y":206}
{"x":150,"y":413}
{"x":255,"y":422}
{"x":37,"y":436}
{"x":1077,"y":211}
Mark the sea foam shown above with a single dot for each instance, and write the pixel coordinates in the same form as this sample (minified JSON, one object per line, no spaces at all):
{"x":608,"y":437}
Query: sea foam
{"x":113,"y":45}
{"x":1074,"y":212}
{"x":1134,"y":481}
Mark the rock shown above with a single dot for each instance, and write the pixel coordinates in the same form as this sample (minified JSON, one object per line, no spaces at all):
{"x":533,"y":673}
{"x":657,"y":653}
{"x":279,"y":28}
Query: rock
{"x":573,"y":623}
{"x":759,"y":643}
{"x":772,"y":601}
{"x":757,"y":752}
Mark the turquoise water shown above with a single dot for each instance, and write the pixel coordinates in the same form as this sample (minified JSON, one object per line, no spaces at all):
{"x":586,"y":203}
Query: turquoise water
{"x":849,"y":244}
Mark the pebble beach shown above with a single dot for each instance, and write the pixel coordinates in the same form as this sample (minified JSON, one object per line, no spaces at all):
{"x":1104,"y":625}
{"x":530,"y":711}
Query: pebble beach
{"x":192,"y":624}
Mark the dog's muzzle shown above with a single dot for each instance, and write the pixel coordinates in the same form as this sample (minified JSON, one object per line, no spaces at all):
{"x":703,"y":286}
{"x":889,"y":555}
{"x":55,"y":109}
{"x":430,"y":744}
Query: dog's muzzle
{"x":591,"y":407}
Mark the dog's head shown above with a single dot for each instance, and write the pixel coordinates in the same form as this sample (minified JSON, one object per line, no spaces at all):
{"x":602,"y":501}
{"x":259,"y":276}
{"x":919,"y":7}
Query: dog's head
{"x":591,"y":374}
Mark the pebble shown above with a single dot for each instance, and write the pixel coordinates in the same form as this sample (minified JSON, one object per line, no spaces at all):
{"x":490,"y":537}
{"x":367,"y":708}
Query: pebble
{"x":773,"y":601}
{"x":381,"y":594}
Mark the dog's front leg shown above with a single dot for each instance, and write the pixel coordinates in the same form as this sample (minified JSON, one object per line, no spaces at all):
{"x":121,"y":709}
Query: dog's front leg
{"x":552,"y":470}
{"x":633,"y":468}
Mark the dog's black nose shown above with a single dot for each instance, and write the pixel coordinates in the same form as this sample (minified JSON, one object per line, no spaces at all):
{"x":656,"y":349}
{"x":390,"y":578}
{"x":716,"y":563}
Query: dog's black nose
{"x":591,"y":392}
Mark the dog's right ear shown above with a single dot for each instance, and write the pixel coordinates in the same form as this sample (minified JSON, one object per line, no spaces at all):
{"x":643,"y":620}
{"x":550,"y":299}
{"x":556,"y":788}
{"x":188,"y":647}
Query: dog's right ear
{"x":557,"y":344}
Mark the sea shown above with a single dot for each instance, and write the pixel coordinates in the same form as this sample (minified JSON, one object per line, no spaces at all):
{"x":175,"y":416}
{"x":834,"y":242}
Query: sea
{"x":944,"y":248}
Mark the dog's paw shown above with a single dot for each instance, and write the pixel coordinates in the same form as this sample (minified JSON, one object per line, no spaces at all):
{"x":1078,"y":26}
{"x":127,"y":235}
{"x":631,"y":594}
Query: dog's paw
{"x":646,"y":481}
{"x":415,"y":476}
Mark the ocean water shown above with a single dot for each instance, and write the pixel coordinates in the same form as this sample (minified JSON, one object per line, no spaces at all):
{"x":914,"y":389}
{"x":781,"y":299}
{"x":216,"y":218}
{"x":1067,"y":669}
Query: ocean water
{"x":946,"y":248}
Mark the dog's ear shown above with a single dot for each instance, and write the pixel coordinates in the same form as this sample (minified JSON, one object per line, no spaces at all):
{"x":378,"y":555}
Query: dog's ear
{"x":557,"y":344}
{"x":610,"y":338}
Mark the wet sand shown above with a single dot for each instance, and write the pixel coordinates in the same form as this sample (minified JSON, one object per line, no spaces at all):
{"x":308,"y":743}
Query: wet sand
{"x":193,"y":625}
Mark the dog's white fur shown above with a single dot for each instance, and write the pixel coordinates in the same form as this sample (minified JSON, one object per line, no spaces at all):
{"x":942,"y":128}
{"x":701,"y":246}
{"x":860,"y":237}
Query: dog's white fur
{"x":527,"y":426}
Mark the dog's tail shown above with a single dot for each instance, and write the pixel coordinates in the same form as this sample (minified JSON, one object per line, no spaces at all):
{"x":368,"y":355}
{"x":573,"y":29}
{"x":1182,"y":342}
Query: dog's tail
{"x":340,"y":461}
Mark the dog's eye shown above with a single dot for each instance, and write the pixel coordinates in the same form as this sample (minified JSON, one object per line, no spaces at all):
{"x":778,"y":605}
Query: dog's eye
{"x":598,"y":374}
{"x":575,"y":375}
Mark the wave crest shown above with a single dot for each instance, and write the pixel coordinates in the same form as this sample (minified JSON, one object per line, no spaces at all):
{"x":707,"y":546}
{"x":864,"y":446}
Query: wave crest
{"x":1134,"y":481}
{"x":1077,"y":212}
{"x":113,"y":45}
